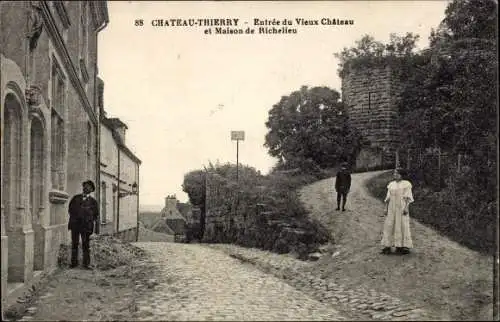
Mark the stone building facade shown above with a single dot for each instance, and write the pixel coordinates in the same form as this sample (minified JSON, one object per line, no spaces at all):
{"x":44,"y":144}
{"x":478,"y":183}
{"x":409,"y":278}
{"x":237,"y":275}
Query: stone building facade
{"x":119,"y":179}
{"x":49,"y":127}
{"x":370,"y":94}
{"x":173,"y":217}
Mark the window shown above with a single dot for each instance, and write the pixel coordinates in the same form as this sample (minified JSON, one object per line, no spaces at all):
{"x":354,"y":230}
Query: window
{"x":62,"y":11}
{"x":114,"y":202}
{"x":84,"y":40}
{"x":83,"y":31}
{"x":57,"y":127}
{"x":89,"y":149}
{"x":104,"y":203}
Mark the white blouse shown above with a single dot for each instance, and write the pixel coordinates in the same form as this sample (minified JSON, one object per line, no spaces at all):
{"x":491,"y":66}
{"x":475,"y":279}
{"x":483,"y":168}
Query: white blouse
{"x":401,"y":189}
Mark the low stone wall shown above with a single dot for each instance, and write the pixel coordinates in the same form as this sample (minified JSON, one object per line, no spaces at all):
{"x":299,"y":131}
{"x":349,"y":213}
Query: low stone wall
{"x":129,"y":235}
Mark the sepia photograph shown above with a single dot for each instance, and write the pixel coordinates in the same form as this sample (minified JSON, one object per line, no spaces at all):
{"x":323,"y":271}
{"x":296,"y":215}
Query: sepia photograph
{"x":249,"y":160}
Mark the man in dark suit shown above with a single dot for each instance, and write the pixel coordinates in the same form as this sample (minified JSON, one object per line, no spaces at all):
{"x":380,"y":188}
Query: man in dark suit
{"x":83,"y":212}
{"x":342,"y":185}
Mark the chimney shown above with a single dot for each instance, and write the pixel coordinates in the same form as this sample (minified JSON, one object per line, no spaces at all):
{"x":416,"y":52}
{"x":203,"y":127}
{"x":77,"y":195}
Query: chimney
{"x":119,"y":127}
{"x":171,"y":202}
{"x":121,"y":132}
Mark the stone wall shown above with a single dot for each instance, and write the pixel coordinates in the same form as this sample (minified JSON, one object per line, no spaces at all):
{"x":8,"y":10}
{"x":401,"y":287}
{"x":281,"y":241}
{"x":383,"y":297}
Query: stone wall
{"x":46,"y":114}
{"x":248,"y":216}
{"x":223,"y":214}
{"x":129,"y":235}
{"x":370,"y":94}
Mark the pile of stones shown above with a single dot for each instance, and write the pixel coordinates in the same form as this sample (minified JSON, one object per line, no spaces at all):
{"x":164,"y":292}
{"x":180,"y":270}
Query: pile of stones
{"x":106,"y":252}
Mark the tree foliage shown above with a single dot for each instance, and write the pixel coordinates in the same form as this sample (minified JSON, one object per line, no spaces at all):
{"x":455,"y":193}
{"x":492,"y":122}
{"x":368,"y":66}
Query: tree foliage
{"x":194,"y":181}
{"x":194,"y":186}
{"x":467,"y":19}
{"x":369,"y":52}
{"x":238,"y":198}
{"x":452,"y":90}
{"x":246,"y":174}
{"x":311,"y":125}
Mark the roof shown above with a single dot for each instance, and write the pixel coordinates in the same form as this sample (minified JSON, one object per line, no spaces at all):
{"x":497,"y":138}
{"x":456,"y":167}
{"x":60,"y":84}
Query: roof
{"x":112,"y":124}
{"x":115,"y":122}
{"x":130,"y":154}
{"x":174,"y":215}
{"x":162,"y":227}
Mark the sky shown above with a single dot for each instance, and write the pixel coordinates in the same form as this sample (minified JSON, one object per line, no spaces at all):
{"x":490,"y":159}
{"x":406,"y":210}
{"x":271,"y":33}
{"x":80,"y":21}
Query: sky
{"x":181,"y":91}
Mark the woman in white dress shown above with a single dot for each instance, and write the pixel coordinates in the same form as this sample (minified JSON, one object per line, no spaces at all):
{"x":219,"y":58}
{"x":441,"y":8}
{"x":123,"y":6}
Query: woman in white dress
{"x":397,"y":221}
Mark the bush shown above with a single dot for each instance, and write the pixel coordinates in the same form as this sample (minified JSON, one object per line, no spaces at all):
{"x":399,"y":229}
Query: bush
{"x":281,"y":226}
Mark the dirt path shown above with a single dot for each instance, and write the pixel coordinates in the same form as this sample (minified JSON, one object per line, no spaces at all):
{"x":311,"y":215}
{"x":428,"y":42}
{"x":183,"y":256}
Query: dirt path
{"x":439,"y":274}
{"x":96,"y":295}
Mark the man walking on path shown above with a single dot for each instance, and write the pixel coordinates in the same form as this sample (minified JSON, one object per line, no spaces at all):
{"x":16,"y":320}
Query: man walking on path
{"x":83,"y":212}
{"x":342,"y":185}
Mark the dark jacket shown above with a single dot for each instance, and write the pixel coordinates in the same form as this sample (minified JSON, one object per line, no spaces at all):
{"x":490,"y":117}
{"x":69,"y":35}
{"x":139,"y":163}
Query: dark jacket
{"x":343,"y":181}
{"x":82,"y":213}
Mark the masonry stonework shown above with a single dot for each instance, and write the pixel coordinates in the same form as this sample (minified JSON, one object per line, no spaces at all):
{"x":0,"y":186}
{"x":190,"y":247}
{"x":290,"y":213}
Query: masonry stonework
{"x":370,"y":94}
{"x":242,"y":216}
{"x":46,"y":106}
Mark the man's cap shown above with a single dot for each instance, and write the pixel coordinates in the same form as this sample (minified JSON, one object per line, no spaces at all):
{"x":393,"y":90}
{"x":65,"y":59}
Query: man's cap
{"x":89,"y":182}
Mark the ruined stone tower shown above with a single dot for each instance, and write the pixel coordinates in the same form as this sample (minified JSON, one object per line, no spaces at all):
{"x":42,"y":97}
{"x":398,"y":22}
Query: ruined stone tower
{"x":370,"y":94}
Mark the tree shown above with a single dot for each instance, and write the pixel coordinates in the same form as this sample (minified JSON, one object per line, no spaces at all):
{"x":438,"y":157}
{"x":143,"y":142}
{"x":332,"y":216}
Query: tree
{"x":246,"y":174}
{"x":453,"y":94}
{"x":194,"y":186}
{"x":470,"y":19}
{"x":451,"y":90}
{"x":311,"y":124}
{"x":367,"y":51}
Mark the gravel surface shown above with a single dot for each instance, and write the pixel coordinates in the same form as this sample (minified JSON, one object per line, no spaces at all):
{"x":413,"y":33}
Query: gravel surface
{"x":449,"y":280}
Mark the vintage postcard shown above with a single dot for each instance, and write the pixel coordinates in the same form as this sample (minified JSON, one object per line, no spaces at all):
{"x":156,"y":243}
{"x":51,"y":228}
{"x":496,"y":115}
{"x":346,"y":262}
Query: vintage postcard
{"x":249,"y":160}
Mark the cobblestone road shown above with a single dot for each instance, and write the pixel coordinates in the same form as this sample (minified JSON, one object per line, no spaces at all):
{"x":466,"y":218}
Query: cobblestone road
{"x":354,"y":302}
{"x":194,"y":282}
